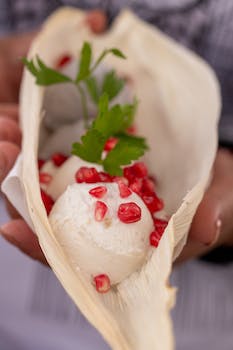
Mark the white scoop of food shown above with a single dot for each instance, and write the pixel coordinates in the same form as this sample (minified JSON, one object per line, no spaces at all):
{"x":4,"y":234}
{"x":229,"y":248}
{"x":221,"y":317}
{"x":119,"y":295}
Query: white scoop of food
{"x":101,"y":245}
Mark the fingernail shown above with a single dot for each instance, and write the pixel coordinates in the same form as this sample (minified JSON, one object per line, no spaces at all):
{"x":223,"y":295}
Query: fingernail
{"x":218,"y":227}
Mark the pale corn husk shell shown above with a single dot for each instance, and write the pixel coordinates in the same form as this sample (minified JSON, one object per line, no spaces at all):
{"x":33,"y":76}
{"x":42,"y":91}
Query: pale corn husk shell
{"x":178,"y":113}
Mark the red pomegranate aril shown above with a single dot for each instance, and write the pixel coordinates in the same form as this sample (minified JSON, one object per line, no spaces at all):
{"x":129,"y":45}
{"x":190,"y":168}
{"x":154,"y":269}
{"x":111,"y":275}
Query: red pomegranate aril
{"x":153,"y":203}
{"x":124,"y":190}
{"x":154,"y":239}
{"x":110,"y":144}
{"x":87,"y":175}
{"x":45,"y":178}
{"x":122,"y":179}
{"x":129,"y":174}
{"x":63,"y":60}
{"x":160,"y":225}
{"x":98,"y":192}
{"x":139,"y":169}
{"x":129,"y":212}
{"x":148,"y":186}
{"x":100,"y":210}
{"x":104,"y":177}
{"x":41,"y":162}
{"x":48,"y":201}
{"x":102,"y":283}
{"x":136,"y":186}
{"x":58,"y":159}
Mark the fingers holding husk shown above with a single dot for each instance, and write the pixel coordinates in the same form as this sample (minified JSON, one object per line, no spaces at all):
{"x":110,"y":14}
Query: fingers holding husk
{"x":179,"y":106}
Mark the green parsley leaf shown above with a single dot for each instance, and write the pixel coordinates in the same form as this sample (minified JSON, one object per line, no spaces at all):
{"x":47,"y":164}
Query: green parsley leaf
{"x":91,"y":146}
{"x":134,"y":140}
{"x":128,"y":110}
{"x":92,"y":88}
{"x":30,"y":66}
{"x":114,"y":120}
{"x":85,"y":62}
{"x":110,"y":121}
{"x":44,"y":75}
{"x":123,"y":153}
{"x":112,"y":85}
{"x":117,"y":52}
{"x":114,"y":51}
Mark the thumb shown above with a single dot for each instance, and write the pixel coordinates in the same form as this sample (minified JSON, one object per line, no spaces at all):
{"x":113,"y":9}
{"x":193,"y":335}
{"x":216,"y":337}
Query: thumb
{"x":207,"y":223}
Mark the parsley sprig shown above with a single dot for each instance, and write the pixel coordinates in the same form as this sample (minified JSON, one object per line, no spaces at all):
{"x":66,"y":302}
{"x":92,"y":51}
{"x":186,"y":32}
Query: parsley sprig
{"x":110,"y":121}
{"x":112,"y":85}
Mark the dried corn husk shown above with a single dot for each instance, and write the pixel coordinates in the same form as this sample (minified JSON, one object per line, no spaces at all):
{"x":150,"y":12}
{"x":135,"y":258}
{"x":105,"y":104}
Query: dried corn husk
{"x":178,"y":113}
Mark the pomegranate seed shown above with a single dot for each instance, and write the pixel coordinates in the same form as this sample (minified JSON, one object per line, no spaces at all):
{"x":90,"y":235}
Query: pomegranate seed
{"x":139,"y":169}
{"x":124,"y":190}
{"x":104,"y":177}
{"x":110,"y":143}
{"x":129,"y":174}
{"x":129,"y":212}
{"x":98,"y":192}
{"x":155,"y":238}
{"x":88,"y":175}
{"x":58,"y":159}
{"x":160,"y":225}
{"x":41,"y":162}
{"x":136,"y":186}
{"x":148,"y":186}
{"x":102,"y":283}
{"x":63,"y":60}
{"x":48,"y":201}
{"x":118,"y":179}
{"x":153,"y":203}
{"x":100,"y":210}
{"x":45,"y":178}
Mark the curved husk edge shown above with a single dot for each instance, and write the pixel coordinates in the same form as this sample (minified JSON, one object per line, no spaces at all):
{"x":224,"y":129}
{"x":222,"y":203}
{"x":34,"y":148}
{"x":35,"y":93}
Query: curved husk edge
{"x":143,"y":300}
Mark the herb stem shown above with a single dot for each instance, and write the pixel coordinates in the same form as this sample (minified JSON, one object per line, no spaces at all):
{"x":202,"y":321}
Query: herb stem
{"x":84,"y":105}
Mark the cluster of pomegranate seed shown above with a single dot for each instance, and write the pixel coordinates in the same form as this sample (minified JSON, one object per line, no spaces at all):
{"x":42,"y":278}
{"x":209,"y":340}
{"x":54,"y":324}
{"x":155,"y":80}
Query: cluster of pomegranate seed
{"x":45,"y":178}
{"x":140,"y":183}
{"x":135,"y":179}
{"x":156,"y":235}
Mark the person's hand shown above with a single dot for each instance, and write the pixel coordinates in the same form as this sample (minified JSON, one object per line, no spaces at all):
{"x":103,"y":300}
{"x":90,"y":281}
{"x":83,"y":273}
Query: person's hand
{"x":12,"y":48}
{"x":17,"y":231}
{"x":213,"y":223}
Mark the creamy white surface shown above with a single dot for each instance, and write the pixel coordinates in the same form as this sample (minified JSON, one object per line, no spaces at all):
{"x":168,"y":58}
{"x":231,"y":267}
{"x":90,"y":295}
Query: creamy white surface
{"x":111,"y":246}
{"x":65,"y":175}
